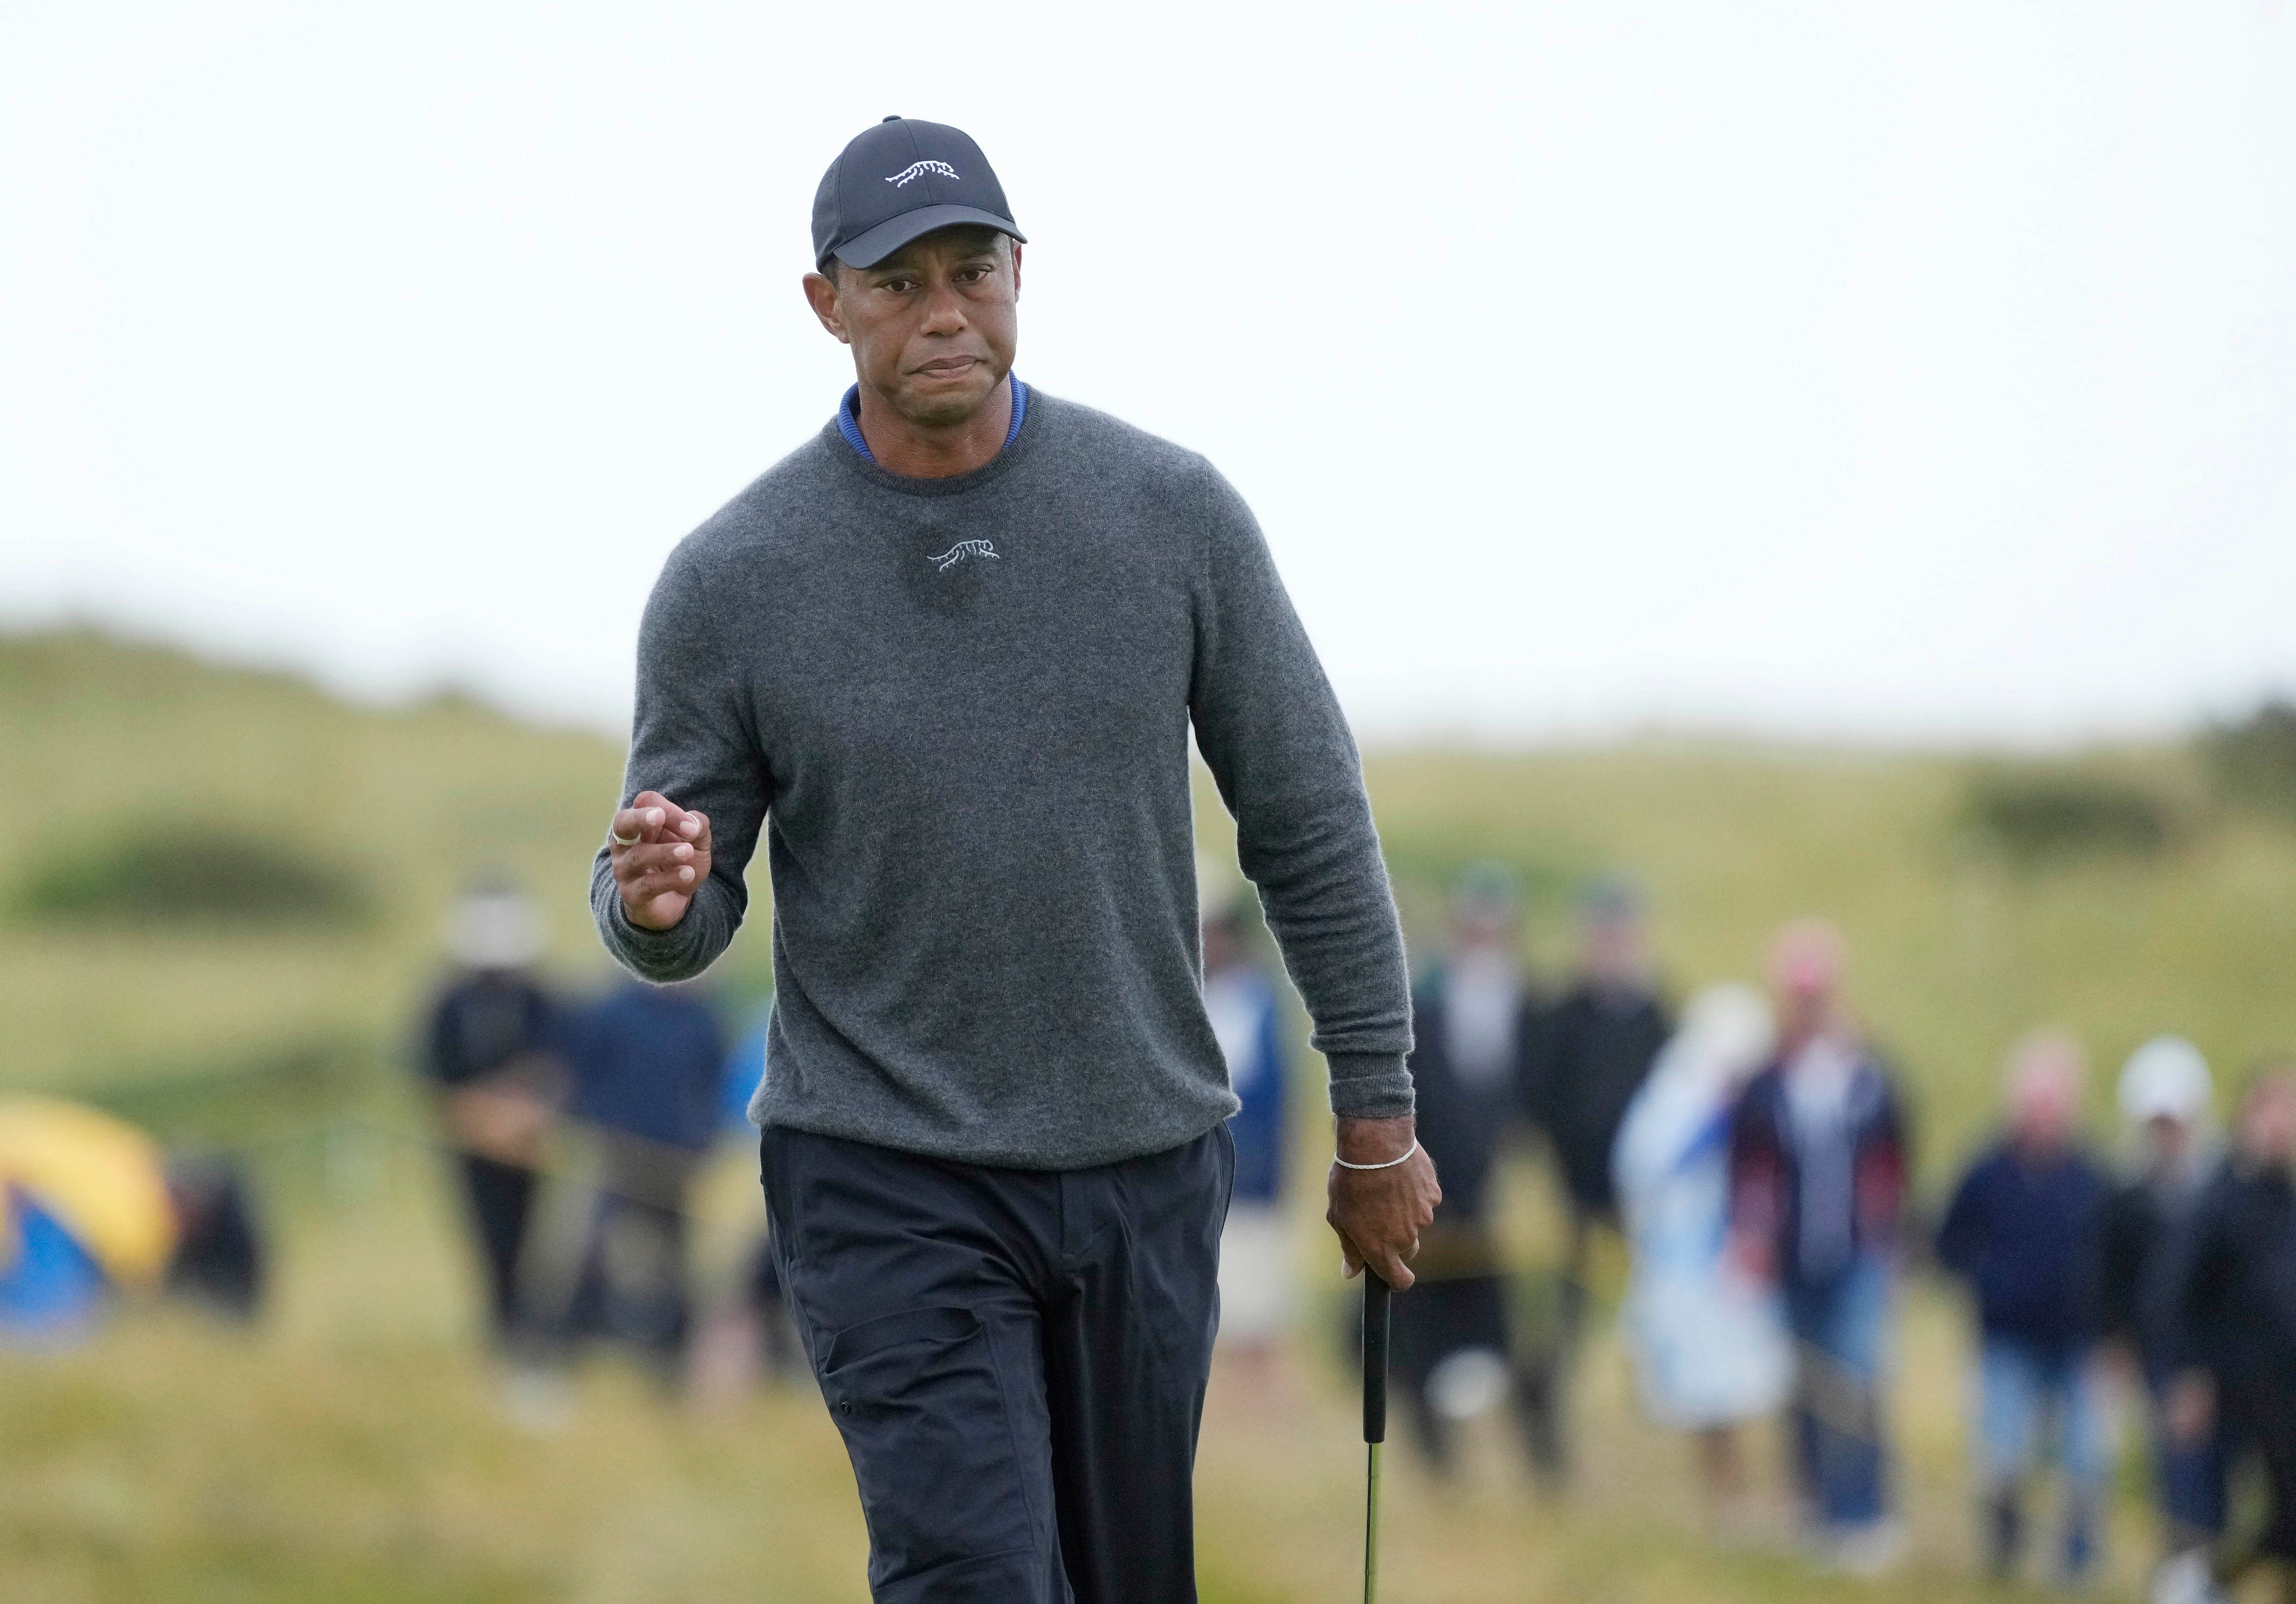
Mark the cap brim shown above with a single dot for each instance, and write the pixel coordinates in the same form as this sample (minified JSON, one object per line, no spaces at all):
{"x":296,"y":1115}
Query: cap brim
{"x":867,"y":250}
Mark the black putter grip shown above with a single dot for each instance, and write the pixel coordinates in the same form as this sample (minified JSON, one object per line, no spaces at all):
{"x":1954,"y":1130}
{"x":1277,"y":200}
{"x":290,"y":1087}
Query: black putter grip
{"x":1377,"y":1294}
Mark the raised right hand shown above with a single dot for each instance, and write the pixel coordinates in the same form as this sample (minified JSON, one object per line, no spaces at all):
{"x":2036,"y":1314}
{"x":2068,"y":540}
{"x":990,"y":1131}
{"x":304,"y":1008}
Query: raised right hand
{"x":660,"y":856}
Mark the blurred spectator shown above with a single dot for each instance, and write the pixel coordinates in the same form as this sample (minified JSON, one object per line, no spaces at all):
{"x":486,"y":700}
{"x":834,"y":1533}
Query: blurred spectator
{"x":649,"y":1069}
{"x":1708,"y":1342}
{"x":745,"y":1076}
{"x":2022,"y":1230}
{"x":1817,"y":1189}
{"x":84,"y":1215}
{"x":747,"y":1339}
{"x":1471,"y":1020}
{"x":2238,"y":1306}
{"x":492,"y":1052}
{"x":2164,"y":1095}
{"x":1256,"y":1258}
{"x":1590,"y":1054}
{"x":218,"y":1261}
{"x":749,"y":1335}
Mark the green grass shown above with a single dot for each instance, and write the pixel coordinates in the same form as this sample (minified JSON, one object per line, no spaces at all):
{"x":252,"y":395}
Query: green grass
{"x":354,"y":1448}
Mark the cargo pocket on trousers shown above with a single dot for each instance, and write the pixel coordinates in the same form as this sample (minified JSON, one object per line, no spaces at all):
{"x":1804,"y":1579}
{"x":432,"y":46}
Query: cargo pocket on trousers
{"x":921,"y":1406}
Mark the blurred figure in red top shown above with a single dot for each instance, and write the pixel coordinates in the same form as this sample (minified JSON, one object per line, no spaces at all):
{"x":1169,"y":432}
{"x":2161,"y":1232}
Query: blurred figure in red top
{"x":1818,"y":1187}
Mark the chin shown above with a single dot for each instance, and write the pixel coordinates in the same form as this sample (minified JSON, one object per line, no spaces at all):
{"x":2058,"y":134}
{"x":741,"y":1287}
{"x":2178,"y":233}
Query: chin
{"x":940,"y":407}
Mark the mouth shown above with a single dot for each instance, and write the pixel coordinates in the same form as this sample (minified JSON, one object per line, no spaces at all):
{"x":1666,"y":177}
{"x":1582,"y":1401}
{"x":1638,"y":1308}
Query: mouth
{"x":946,"y":367}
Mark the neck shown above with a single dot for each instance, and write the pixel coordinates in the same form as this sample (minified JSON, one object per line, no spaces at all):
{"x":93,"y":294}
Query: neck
{"x":936,"y":451}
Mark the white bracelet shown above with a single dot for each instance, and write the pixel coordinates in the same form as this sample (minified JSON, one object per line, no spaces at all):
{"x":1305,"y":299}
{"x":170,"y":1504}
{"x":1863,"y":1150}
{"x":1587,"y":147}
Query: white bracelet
{"x":1390,"y":1164}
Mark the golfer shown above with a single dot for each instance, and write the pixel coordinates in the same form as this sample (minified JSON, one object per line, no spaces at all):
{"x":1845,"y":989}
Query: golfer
{"x":946,"y":656}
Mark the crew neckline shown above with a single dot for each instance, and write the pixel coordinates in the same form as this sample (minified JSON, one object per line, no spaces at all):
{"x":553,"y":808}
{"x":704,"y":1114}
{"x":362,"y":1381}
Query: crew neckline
{"x":845,"y":431}
{"x":849,"y":421}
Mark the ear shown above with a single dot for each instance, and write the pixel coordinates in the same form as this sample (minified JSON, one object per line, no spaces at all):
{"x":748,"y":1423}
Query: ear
{"x":820,"y":295}
{"x":1016,"y":269}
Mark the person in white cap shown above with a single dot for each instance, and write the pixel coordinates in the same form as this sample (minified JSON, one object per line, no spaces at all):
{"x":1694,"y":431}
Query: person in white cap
{"x":2165,"y":1092}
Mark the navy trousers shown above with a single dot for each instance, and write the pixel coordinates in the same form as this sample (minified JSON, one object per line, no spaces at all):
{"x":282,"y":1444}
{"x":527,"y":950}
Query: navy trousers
{"x":1016,"y":1360}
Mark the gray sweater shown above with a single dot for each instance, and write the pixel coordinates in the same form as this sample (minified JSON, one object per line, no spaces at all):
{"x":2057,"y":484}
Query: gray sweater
{"x":959,"y":710}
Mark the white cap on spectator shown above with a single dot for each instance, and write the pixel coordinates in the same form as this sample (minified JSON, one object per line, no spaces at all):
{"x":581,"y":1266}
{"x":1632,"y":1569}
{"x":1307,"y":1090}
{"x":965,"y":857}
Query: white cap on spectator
{"x":495,"y":926}
{"x":2166,"y":1078}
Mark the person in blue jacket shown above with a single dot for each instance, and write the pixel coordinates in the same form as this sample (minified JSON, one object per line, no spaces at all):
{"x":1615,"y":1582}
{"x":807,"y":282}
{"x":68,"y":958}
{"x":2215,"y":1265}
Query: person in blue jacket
{"x":2024,"y":1230}
{"x":648,"y":1063}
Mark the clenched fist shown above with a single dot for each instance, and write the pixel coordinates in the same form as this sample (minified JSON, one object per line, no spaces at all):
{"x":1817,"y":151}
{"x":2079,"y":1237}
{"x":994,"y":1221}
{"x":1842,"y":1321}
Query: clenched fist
{"x":660,"y":856}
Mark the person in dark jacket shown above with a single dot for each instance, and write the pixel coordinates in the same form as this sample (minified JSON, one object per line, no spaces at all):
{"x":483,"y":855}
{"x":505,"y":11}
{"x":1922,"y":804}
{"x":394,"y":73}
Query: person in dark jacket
{"x":649,"y":1067}
{"x":1595,"y":1047}
{"x":2238,"y":1307}
{"x":2022,"y":1230}
{"x":1818,"y":1157}
{"x":1471,"y":1021}
{"x":2165,"y":1090}
{"x":493,"y":1053}
{"x":1590,"y":1053}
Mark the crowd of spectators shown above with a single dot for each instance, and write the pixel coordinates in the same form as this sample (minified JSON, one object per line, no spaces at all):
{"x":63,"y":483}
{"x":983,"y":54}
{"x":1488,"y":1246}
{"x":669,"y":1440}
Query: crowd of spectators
{"x":1757,"y":1161}
{"x":1754,"y":1157}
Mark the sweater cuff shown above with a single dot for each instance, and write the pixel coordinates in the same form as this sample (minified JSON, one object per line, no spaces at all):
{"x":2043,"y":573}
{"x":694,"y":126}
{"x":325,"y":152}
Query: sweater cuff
{"x":657,"y":955}
{"x":1370,"y":1085}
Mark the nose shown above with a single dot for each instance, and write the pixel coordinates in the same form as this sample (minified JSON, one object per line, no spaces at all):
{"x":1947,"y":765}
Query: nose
{"x":943,"y":310}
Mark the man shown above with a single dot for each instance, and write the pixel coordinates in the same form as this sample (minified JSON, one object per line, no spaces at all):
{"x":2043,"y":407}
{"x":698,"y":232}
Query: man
{"x":649,"y":1065}
{"x":2165,"y":1091}
{"x":1598,"y":1043}
{"x":1255,"y":1268}
{"x":2237,"y":1303}
{"x":1818,"y":1190}
{"x":493,"y":1050}
{"x":2022,"y":1230}
{"x":1593,"y":1049}
{"x":1473,"y":1017}
{"x":946,"y":656}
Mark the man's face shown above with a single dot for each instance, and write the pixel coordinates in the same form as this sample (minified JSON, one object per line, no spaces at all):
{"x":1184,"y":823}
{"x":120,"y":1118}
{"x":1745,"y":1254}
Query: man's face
{"x":1616,"y":952}
{"x":2045,"y":1100}
{"x":2267,"y":1122}
{"x":2168,"y":1137}
{"x":1806,"y":970}
{"x":933,"y":326}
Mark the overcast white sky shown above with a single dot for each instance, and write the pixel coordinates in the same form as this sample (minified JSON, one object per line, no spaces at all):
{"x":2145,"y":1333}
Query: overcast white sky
{"x":1892,"y":371}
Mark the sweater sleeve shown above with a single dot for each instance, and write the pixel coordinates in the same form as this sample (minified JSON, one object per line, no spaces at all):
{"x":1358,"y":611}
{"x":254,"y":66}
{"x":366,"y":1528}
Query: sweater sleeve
{"x":691,"y":739}
{"x":1271,"y":732}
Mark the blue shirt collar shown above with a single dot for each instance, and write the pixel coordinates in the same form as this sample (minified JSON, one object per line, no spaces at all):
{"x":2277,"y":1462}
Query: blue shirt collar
{"x":848,"y":419}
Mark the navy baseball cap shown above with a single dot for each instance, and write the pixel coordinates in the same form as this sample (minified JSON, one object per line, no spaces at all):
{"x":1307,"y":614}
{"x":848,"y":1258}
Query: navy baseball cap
{"x":901,"y":179}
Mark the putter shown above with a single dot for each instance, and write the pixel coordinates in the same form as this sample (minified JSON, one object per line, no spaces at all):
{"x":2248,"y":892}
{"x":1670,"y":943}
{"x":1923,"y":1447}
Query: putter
{"x":1376,"y":1295}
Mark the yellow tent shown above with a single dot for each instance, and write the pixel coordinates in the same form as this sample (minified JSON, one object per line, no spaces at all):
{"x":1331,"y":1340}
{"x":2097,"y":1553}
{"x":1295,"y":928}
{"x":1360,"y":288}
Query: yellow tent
{"x":102,"y":1179}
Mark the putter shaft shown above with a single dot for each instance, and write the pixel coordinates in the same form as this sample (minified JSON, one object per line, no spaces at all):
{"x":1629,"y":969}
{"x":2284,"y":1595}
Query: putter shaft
{"x":1371,"y":1524}
{"x":1377,"y":1294}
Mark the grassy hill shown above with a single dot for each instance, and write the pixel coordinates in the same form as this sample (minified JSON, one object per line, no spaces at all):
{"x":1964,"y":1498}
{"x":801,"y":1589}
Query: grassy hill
{"x":350,"y":1451}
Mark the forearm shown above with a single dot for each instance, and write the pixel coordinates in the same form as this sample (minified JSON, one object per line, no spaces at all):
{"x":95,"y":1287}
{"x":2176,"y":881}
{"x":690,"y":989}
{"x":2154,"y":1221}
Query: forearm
{"x":1320,"y":876}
